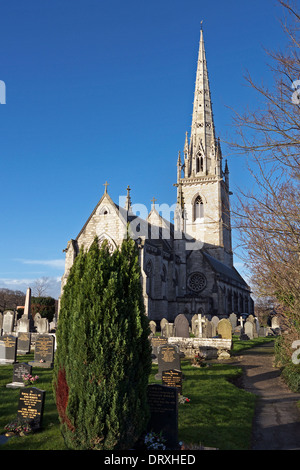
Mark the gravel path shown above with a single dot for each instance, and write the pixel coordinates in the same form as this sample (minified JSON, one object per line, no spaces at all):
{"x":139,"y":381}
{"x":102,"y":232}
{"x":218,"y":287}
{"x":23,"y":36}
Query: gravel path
{"x":276,"y":424}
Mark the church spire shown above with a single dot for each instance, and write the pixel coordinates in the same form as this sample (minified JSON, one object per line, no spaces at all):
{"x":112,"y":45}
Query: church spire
{"x":202,"y":149}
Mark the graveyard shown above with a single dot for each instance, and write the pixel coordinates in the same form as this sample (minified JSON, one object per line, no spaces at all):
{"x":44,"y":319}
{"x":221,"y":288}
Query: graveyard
{"x":216,"y":415}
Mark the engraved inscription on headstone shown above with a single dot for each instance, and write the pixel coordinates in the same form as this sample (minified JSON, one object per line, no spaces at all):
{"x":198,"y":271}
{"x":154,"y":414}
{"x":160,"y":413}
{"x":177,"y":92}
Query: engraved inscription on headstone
{"x":168,"y":358}
{"x":31,"y":406}
{"x":8,"y":349}
{"x":44,"y":351}
{"x":172,"y":378}
{"x":24,"y":343}
{"x":156,"y":342}
{"x":163,"y":404}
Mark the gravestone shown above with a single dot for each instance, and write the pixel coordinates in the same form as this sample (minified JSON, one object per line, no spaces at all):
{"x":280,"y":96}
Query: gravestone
{"x":249,"y":329}
{"x":181,"y":326}
{"x":19,"y":369}
{"x":172,"y":378}
{"x":8,"y":349}
{"x":275,"y":322}
{"x":8,"y":322}
{"x":156,"y":342}
{"x":31,"y":406}
{"x":44,"y":351}
{"x":24,"y":340}
{"x":42,"y":326}
{"x":207,"y":329}
{"x":163,"y":405}
{"x":168,"y":358}
{"x":163,"y":322}
{"x":152,"y":326}
{"x":194,"y":323}
{"x":215,"y":320}
{"x":224,"y":329}
{"x":169,"y":330}
{"x":233,"y":320}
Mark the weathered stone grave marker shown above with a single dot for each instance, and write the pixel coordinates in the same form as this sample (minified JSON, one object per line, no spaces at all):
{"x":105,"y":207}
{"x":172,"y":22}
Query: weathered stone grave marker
{"x":8,"y":349}
{"x":24,"y":340}
{"x":224,"y":329}
{"x":181,"y":325}
{"x":156,"y":342}
{"x":163,"y":404}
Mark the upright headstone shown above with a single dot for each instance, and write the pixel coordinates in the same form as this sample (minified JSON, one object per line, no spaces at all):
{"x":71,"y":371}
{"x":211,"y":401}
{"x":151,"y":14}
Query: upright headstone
{"x":163,"y":323}
{"x":8,"y":322}
{"x":42,"y":326}
{"x":8,"y":349}
{"x":207,"y":329}
{"x":194,"y":323}
{"x":31,"y":406}
{"x":152,"y":326}
{"x":181,"y":326}
{"x":44,"y":351}
{"x":224,"y":329}
{"x":168,"y":358}
{"x":163,"y":404}
{"x":24,"y":340}
{"x":249,"y":329}
{"x":20,"y":369}
{"x":156,"y":342}
{"x":275,"y":322}
{"x":233,"y":320}
{"x":215,"y":320}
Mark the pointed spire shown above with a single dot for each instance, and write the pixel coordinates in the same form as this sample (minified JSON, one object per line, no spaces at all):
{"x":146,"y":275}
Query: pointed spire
{"x":128,"y":200}
{"x":202,"y":123}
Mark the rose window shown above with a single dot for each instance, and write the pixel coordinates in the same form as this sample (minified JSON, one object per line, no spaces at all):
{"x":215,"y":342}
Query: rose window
{"x":197,"y":282}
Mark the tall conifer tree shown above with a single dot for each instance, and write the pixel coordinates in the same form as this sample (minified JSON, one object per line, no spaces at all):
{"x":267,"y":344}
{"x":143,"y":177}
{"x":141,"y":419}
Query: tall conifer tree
{"x":103,"y":358}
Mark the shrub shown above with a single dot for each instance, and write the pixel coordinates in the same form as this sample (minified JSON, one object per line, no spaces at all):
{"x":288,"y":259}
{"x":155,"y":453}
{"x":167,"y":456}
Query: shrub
{"x":103,"y":357}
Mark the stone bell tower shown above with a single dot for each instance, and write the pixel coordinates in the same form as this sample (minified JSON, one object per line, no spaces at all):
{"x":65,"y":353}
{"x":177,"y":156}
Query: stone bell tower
{"x":203,"y":208}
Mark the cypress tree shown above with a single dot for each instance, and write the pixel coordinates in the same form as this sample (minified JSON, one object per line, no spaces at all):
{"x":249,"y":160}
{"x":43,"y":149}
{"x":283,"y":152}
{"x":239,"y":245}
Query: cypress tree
{"x":103,"y":357}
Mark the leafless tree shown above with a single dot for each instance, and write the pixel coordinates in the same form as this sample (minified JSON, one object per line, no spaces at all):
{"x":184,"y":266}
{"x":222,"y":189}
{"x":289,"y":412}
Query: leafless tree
{"x":41,"y":287}
{"x":268,"y":217}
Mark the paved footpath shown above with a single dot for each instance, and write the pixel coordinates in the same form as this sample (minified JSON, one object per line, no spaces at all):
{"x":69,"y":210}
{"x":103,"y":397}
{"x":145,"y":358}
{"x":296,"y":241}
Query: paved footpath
{"x":276,"y":424}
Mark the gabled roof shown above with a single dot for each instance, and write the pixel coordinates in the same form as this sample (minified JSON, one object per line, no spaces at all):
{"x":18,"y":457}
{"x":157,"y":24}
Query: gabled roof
{"x":225,"y":271}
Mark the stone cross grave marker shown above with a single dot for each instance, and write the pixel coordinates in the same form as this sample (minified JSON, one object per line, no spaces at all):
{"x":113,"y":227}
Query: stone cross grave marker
{"x":31,"y":406}
{"x":8,"y":349}
{"x":168,"y":358}
{"x":19,"y":369}
{"x":163,"y":404}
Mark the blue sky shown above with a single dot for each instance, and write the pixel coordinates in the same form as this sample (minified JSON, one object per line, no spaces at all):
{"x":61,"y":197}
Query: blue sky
{"x":99,"y":90}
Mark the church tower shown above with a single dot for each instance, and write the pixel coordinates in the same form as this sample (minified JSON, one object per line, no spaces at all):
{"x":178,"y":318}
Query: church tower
{"x":203,"y":208}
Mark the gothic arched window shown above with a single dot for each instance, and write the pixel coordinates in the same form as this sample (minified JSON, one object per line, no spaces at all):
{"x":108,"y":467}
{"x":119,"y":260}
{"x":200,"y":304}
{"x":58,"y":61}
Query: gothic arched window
{"x":198,"y":208}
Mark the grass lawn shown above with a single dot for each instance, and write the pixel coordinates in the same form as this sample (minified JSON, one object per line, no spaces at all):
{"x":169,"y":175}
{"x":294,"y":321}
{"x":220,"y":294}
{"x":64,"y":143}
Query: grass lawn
{"x":218,"y":415}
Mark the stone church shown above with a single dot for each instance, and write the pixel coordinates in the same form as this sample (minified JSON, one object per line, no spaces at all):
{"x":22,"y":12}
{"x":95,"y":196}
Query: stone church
{"x":187,"y":267}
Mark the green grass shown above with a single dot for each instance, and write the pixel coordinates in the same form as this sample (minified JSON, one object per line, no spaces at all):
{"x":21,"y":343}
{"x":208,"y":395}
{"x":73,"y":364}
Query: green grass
{"x":219,"y":414}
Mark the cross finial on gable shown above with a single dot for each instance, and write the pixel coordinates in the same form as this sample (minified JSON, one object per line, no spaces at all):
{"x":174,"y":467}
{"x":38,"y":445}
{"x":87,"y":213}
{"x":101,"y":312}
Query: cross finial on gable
{"x":153,"y":202}
{"x":105,"y":184}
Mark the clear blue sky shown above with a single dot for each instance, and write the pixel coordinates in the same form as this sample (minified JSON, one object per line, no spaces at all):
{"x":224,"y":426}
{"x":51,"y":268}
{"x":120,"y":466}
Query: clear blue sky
{"x":103,"y":90}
